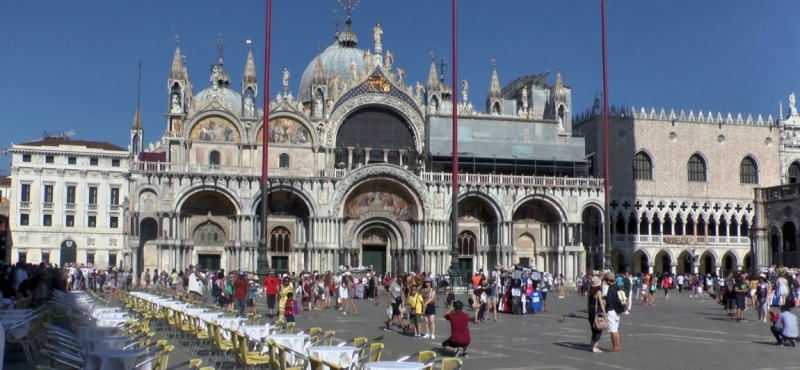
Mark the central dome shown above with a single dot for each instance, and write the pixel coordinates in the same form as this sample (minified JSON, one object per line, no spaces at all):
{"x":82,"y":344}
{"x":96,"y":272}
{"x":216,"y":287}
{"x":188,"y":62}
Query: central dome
{"x":336,"y":61}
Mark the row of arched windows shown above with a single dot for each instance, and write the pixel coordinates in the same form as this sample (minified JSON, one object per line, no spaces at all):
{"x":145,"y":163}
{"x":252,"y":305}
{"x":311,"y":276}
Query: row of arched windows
{"x":696,"y":169}
{"x":213,"y":159}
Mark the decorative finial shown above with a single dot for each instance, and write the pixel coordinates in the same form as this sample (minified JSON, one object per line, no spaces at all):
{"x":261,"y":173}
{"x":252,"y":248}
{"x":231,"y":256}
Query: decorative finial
{"x":442,"y":63}
{"x":337,"y":20}
{"x":249,"y":43}
{"x":432,"y":57}
{"x":349,"y":5}
{"x":494,"y":63}
{"x":222,"y":45}
{"x":319,"y":49}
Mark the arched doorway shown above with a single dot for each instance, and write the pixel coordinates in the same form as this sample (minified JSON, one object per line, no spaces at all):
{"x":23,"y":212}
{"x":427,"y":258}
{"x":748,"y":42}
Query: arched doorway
{"x":288,"y":224}
{"x":748,"y":261}
{"x":478,"y":215}
{"x":639,"y":262}
{"x":210,"y":215}
{"x":526,"y":251}
{"x":592,"y":237}
{"x":375,"y":243}
{"x":542,"y":221}
{"x":708,"y":263}
{"x":663,"y":262}
{"x":467,"y":249}
{"x":789,"y":238}
{"x":618,"y":261}
{"x":69,"y":252}
{"x":728,"y":263}
{"x":685,"y":263}
{"x":147,"y":257}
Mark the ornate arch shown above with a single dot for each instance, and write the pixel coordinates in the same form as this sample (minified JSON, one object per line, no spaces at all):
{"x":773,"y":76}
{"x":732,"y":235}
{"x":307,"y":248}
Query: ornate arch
{"x":189,"y":125}
{"x":365,"y":172}
{"x":595,"y":205}
{"x":350,"y":105}
{"x":188,"y":192}
{"x":559,"y":207}
{"x":493,"y":202}
{"x":669,"y":254}
{"x":302,"y":193}
{"x":303,"y":120}
{"x":390,"y":221}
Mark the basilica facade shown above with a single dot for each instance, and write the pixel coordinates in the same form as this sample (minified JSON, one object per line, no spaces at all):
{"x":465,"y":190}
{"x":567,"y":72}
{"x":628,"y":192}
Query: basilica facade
{"x":360,"y":171}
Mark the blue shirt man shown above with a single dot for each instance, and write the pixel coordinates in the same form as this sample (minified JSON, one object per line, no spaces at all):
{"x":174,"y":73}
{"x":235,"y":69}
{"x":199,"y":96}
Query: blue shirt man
{"x":788,"y":326}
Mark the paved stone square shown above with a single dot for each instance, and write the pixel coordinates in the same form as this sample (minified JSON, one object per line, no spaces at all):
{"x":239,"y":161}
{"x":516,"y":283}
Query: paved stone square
{"x":679,"y":333}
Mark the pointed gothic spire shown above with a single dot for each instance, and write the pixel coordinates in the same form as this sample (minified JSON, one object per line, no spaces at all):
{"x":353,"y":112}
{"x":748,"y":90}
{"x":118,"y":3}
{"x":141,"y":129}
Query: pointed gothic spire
{"x":250,"y":68}
{"x":433,"y":77}
{"x":319,"y":72}
{"x":178,"y":71}
{"x":137,"y":120}
{"x":559,"y":87}
{"x":494,"y":88}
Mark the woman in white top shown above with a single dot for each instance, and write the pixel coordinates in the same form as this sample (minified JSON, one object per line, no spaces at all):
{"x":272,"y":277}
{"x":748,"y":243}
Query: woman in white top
{"x":783,"y":288}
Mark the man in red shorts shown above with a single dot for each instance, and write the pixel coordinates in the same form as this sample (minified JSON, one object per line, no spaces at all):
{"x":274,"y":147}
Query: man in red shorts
{"x":271,"y":283}
{"x":459,"y":330}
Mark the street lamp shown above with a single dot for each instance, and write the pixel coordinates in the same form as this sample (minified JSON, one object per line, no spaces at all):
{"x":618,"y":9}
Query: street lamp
{"x":453,"y":272}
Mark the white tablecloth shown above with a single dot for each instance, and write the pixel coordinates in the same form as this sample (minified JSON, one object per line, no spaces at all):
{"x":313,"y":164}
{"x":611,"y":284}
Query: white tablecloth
{"x":98,"y":310}
{"x":94,"y":331}
{"x":297,"y":342}
{"x":97,"y":343}
{"x":392,"y":365}
{"x":343,"y":356}
{"x":112,"y":315}
{"x":11,"y":321}
{"x":227,"y":323}
{"x":255,"y":331}
{"x":115,"y":359}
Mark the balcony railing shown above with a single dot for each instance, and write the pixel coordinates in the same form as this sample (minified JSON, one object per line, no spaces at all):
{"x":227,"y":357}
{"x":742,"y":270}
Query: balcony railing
{"x":69,"y":206}
{"x":442,"y":177}
{"x":91,"y":207}
{"x":47,"y":206}
{"x":25,"y":205}
{"x":789,"y":191}
{"x":114,"y":207}
{"x":680,"y":239}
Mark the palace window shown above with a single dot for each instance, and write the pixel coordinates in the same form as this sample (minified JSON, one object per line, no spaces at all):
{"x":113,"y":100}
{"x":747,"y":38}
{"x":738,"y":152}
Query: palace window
{"x":283,"y":160}
{"x":794,"y":173}
{"x":748,"y":173}
{"x":642,"y":167}
{"x":280,"y":240}
{"x":213,"y":158}
{"x":697,"y":169}
{"x":467,"y":243}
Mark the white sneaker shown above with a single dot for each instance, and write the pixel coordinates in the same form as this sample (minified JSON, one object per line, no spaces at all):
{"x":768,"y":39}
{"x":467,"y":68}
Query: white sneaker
{"x":426,"y":336}
{"x":433,"y":336}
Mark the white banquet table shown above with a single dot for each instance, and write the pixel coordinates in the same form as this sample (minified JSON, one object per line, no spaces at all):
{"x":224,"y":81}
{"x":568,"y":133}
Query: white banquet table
{"x":343,"y":356}
{"x":393,"y":365}
{"x":228,"y":323}
{"x":110,"y":322}
{"x":296,"y":342}
{"x":255,"y":331}
{"x":115,"y":359}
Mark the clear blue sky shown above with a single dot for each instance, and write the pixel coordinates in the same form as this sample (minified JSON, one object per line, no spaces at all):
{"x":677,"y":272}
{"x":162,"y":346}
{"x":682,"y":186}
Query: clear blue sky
{"x":72,"y":65}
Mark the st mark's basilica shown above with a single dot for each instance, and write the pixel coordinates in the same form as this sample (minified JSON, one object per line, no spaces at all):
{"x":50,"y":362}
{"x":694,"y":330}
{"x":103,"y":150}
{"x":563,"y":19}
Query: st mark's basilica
{"x":360,"y":170}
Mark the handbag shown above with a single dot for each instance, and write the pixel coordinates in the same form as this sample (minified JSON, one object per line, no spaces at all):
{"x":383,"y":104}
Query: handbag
{"x":600,"y":320}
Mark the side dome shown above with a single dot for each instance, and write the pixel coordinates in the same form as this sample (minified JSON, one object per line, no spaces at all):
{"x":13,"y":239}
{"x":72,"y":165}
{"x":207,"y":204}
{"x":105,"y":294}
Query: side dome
{"x":336,"y":61}
{"x":223,"y":93}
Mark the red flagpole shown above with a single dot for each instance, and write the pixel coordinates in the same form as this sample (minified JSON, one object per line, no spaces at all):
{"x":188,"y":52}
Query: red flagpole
{"x":606,"y":159}
{"x":454,"y":212}
{"x":263,"y":262}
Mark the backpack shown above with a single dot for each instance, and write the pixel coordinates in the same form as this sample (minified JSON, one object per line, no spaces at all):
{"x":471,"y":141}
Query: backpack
{"x":729,"y":285}
{"x":215,"y":290}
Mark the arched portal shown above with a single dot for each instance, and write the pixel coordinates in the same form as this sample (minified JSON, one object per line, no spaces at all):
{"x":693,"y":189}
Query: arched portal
{"x":480,"y":217}
{"x":640,"y":263}
{"x":147,"y":255}
{"x":685,"y":263}
{"x":381,"y":130}
{"x":708,"y":263}
{"x":375,"y":245}
{"x":728,"y":263}
{"x":288,"y":223}
{"x":526,"y":251}
{"x":210,"y":218}
{"x":618,"y":262}
{"x":789,"y":244}
{"x":542,"y":220}
{"x":378,"y":242}
{"x":663,"y":262}
{"x":592,"y":237}
{"x":467,"y":249}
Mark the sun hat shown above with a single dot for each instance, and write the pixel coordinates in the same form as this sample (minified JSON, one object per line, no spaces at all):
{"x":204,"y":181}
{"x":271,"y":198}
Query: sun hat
{"x":609,"y":276}
{"x":595,"y":281}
